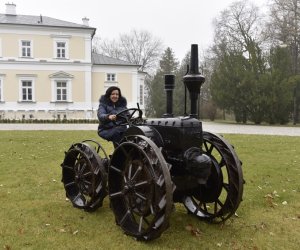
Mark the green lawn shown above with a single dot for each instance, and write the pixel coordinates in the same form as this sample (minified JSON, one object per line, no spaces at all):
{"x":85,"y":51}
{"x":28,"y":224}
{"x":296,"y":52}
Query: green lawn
{"x":34,"y":213}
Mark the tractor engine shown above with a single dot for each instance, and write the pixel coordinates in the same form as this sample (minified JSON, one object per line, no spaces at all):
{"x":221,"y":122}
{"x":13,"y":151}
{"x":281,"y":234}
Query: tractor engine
{"x":180,"y":140}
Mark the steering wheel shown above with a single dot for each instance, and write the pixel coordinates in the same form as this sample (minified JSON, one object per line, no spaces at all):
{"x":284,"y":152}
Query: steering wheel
{"x":126,"y":117}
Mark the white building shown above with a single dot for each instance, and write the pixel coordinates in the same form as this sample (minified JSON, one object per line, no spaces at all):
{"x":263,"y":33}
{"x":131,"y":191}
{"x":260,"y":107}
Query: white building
{"x":48,"y":70}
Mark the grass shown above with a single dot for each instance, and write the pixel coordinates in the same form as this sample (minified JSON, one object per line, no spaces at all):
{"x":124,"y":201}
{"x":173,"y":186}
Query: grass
{"x":34,"y":213}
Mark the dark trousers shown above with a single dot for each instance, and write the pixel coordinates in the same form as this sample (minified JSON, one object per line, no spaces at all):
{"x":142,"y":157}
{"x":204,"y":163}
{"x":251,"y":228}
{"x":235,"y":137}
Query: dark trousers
{"x":114,"y":134}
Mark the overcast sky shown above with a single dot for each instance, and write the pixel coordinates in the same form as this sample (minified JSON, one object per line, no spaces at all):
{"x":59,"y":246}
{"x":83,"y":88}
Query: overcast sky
{"x":178,"y":23}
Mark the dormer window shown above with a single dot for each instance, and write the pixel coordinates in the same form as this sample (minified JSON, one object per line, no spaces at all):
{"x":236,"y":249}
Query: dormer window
{"x":111,"y":77}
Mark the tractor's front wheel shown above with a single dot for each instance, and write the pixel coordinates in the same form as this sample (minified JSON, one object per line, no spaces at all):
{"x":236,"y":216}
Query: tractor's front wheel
{"x":140,"y":188}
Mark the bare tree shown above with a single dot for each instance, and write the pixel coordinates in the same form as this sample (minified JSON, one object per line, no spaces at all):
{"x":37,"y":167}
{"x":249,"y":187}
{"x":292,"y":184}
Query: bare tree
{"x":238,"y":29}
{"x":284,"y":26}
{"x":139,"y":47}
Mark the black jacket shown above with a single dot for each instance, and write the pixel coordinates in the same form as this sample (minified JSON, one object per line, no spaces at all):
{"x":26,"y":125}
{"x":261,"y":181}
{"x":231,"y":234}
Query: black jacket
{"x":106,"y":108}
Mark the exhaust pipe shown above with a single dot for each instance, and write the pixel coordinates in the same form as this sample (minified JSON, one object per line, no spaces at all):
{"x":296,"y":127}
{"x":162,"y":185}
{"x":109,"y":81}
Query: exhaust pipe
{"x":193,"y":80}
{"x":169,"y":87}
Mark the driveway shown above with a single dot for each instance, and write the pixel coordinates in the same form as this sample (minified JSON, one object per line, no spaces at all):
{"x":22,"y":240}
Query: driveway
{"x":218,"y":128}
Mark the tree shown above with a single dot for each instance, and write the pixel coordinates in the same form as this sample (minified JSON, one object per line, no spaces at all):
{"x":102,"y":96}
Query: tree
{"x":239,"y":62}
{"x":138,"y":47}
{"x":228,"y":87}
{"x":284,"y":28}
{"x":179,"y":91}
{"x":238,"y":27}
{"x":157,"y":97}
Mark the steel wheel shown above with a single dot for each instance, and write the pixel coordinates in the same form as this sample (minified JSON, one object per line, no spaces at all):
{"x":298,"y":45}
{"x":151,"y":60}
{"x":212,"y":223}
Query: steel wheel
{"x":220,"y":197}
{"x":84,"y":176}
{"x":140,"y":188}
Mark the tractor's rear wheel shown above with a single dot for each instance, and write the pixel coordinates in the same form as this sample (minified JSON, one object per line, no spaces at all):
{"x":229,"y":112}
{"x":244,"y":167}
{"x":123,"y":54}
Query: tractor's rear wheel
{"x":219,"y":198}
{"x":140,"y":188}
{"x":84,"y":176}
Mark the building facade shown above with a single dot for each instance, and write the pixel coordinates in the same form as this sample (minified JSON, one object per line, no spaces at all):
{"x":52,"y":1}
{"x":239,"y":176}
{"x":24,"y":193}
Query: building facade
{"x":48,"y":69}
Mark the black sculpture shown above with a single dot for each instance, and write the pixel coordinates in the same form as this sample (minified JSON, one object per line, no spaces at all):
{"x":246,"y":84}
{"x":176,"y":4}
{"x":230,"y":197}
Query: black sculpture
{"x":158,"y":162}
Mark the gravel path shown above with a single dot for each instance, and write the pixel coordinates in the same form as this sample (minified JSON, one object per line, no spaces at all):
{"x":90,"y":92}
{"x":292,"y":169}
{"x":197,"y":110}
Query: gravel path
{"x":213,"y":127}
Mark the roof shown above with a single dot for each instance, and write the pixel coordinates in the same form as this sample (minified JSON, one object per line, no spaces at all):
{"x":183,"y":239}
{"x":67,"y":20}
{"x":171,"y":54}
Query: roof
{"x":99,"y":59}
{"x":39,"y":21}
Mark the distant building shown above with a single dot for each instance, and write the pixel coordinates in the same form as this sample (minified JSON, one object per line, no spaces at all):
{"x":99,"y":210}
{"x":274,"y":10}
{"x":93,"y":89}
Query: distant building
{"x":48,"y":70}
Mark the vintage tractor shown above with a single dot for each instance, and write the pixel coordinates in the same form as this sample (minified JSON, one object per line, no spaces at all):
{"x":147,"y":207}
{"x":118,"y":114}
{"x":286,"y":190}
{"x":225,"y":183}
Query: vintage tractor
{"x":158,"y":162}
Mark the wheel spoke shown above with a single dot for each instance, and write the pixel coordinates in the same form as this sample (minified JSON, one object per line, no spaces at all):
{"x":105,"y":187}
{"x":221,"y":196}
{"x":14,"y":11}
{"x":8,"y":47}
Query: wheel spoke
{"x":87,"y":182}
{"x":115,"y":169}
{"x":141,"y":223}
{"x":204,"y":207}
{"x":208,"y":149}
{"x":70,"y":184}
{"x":83,"y":167}
{"x":68,"y":167}
{"x":117,"y":194}
{"x":87,"y":174}
{"x":215,"y":207}
{"x":140,"y":196}
{"x":123,"y":220}
{"x":136,"y":173}
{"x":226,"y":187}
{"x":141,"y":183}
{"x":222,"y":163}
{"x":129,"y":171}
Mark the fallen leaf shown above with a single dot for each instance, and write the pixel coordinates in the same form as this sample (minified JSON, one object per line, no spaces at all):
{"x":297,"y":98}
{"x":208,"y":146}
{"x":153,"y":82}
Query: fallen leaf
{"x":196,"y":232}
{"x":189,"y":227}
{"x":75,"y":232}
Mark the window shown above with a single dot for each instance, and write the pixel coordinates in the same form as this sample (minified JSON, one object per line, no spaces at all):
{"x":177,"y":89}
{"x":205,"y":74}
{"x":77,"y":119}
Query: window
{"x":61,"y":46}
{"x":26,"y":48}
{"x":141,"y":94}
{"x":26,"y":90}
{"x":61,"y":50}
{"x":1,"y":89}
{"x":111,"y":77}
{"x":26,"y":87}
{"x":0,"y":47}
{"x":61,"y":87}
{"x":61,"y":91}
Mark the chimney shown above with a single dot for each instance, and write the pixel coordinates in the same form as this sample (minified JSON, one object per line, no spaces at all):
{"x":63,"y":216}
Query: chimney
{"x":10,"y":9}
{"x":85,"y":21}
